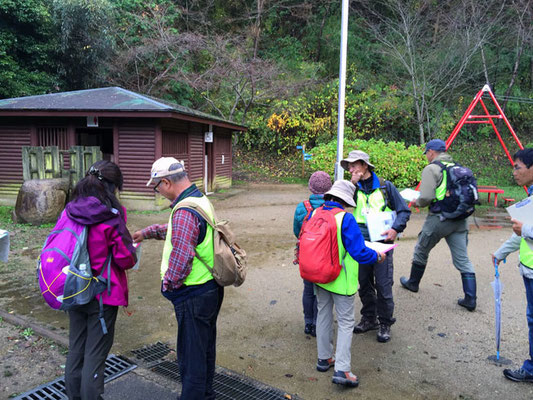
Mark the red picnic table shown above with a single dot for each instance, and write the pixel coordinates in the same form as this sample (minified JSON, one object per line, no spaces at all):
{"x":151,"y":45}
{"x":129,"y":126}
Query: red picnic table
{"x":489,"y":190}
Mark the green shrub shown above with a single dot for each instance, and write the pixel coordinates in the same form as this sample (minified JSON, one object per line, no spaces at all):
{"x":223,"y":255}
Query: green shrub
{"x":393,"y":160}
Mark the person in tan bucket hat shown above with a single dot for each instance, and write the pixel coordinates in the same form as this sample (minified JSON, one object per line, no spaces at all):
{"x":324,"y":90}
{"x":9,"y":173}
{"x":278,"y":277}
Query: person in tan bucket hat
{"x":374,"y":194}
{"x":340,"y":292}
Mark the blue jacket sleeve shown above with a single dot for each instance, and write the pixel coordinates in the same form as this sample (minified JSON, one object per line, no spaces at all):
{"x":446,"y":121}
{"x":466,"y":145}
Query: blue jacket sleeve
{"x":299,"y":215}
{"x":403,"y":213}
{"x":354,"y":243}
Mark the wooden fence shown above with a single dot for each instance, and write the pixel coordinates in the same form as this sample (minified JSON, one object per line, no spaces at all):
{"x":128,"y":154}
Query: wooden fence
{"x":48,"y":162}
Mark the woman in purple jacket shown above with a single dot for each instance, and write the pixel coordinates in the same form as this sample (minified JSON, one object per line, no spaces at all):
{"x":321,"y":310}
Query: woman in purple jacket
{"x":94,"y":203}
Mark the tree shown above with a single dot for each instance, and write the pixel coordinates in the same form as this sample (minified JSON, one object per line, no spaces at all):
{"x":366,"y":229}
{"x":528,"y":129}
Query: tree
{"x":85,"y":41}
{"x":431,"y":45}
{"x":28,"y":58}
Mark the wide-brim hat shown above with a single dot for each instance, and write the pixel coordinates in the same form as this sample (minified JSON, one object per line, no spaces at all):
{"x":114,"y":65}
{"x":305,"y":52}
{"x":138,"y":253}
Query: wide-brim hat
{"x":344,"y":190}
{"x":354,"y":156}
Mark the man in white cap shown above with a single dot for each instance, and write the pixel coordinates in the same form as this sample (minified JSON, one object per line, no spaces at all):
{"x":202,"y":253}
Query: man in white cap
{"x":186,"y":281}
{"x":340,"y":292}
{"x":433,"y":188}
{"x":374,"y":194}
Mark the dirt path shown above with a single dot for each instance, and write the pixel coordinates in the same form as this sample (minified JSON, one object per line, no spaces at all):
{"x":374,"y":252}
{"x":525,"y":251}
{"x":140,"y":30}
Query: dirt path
{"x":438,"y":350}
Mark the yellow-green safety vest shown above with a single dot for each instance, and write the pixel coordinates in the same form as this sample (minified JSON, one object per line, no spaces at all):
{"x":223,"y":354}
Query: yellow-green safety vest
{"x":374,"y":201}
{"x":526,"y":253}
{"x":199,"y":273}
{"x":440,"y":192}
{"x":348,"y":279}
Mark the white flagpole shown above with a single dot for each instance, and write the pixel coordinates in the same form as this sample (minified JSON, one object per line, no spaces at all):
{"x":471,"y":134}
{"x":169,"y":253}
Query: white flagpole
{"x":339,"y":172}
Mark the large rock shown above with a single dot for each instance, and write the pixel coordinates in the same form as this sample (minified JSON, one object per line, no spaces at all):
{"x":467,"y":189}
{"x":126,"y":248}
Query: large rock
{"x":40,"y":201}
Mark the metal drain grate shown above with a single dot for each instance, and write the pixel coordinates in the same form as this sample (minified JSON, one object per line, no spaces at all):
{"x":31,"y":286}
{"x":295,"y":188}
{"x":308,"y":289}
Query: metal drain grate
{"x":227,"y":385}
{"x":168,"y":369}
{"x":232,"y":388}
{"x":153,"y":352}
{"x":115,"y":366}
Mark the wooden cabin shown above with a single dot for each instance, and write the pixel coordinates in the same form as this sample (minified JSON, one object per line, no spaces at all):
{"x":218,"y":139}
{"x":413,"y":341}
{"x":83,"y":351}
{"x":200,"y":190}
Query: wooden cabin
{"x":131,"y":129}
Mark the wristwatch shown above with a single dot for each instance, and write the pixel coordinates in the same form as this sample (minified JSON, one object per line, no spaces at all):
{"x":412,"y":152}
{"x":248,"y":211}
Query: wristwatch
{"x":379,"y":257}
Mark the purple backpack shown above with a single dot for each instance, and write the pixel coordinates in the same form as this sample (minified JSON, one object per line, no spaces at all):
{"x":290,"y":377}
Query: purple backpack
{"x":64,"y":268}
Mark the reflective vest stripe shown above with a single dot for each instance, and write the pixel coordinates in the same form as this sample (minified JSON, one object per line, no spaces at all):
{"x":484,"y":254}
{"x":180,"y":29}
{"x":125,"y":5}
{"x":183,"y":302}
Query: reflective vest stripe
{"x":199,"y":273}
{"x":347,"y":281}
{"x":374,"y":201}
{"x":526,"y":253}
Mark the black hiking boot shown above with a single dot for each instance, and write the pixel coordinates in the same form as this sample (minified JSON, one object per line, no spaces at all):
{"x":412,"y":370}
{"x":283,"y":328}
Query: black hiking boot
{"x":365,"y":325}
{"x":383,"y":335}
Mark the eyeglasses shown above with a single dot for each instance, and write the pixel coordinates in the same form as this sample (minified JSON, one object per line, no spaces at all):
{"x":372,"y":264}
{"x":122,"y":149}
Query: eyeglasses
{"x":156,"y":186}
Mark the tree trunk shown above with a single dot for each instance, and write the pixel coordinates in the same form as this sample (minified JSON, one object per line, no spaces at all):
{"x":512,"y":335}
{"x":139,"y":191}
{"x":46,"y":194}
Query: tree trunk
{"x":515,"y":72}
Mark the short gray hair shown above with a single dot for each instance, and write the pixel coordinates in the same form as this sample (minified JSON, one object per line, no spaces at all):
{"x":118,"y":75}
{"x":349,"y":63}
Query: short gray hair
{"x":177,"y":176}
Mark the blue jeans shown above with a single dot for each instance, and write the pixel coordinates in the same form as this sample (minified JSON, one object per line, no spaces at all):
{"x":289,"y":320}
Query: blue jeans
{"x":528,"y":364}
{"x":196,"y":349}
{"x":309,"y":302}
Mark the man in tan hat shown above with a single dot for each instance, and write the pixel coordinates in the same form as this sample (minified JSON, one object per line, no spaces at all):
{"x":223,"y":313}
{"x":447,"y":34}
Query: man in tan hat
{"x":372,"y":195}
{"x":186,"y":281}
{"x":341,"y":291}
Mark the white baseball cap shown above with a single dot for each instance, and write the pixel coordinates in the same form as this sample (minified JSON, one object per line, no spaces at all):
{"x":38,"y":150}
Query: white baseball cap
{"x":165,"y":166}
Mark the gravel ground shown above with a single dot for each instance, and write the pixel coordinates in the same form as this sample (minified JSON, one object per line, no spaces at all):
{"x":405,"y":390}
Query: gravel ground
{"x":438,"y":350}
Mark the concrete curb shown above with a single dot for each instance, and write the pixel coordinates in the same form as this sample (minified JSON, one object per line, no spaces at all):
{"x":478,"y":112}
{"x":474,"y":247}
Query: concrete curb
{"x":38,"y":329}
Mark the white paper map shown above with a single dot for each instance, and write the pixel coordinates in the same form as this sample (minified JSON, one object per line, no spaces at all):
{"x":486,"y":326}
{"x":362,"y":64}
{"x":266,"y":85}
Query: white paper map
{"x":381,"y":247}
{"x":410,"y":194}
{"x":522,"y":211}
{"x":379,"y":222}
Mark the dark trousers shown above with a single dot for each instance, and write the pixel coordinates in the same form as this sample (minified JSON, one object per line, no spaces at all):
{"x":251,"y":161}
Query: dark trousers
{"x":375,"y":290}
{"x":88,"y":350}
{"x":197,"y":334}
{"x":528,"y":364}
{"x":309,"y":303}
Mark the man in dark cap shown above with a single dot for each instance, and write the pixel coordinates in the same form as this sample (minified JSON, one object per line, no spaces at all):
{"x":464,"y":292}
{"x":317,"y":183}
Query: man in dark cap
{"x":433,"y":190}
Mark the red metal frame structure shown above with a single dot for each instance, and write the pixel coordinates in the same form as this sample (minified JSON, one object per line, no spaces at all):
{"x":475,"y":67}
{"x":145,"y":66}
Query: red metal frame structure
{"x":487,"y":118}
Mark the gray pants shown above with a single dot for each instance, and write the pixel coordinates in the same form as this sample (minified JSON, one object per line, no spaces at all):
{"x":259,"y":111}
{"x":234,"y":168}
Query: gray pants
{"x":88,"y":350}
{"x":456,"y":235}
{"x":344,"y":307}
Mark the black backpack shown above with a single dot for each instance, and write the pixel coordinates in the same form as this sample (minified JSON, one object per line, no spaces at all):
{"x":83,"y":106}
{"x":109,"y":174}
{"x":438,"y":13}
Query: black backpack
{"x":461,"y":192}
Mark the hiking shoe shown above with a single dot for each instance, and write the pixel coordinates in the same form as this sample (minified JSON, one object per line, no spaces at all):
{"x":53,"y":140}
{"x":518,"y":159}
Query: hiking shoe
{"x":324,"y":365}
{"x":518,"y":375}
{"x":365,"y":325}
{"x":345,"y":378}
{"x":383,"y":333}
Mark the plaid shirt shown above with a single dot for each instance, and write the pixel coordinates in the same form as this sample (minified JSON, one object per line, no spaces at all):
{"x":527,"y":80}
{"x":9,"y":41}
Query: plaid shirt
{"x":185,"y":232}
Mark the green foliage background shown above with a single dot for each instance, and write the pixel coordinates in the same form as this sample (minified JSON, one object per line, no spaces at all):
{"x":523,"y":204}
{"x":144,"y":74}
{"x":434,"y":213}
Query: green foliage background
{"x":159,"y":47}
{"x":392,"y":160}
